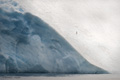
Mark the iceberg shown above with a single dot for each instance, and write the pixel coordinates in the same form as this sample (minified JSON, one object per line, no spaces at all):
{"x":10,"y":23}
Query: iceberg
{"x":29,"y":45}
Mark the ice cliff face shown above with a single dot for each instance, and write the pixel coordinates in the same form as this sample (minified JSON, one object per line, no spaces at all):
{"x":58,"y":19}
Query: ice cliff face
{"x":28,"y":44}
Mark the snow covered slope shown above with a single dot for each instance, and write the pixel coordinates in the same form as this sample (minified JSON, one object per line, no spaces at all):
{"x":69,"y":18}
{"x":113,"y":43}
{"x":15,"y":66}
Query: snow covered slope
{"x":28,"y":44}
{"x":92,"y":27}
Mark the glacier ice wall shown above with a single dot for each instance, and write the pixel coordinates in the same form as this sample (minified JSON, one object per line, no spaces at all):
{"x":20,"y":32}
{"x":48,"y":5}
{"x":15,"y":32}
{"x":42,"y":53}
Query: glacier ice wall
{"x":28,"y":44}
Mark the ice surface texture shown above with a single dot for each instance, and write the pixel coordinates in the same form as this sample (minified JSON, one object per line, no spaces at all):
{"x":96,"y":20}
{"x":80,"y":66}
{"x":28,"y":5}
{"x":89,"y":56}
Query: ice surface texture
{"x":28,"y":44}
